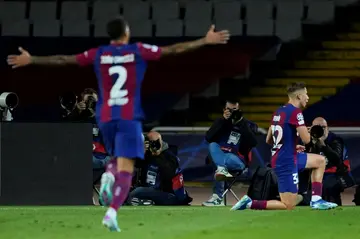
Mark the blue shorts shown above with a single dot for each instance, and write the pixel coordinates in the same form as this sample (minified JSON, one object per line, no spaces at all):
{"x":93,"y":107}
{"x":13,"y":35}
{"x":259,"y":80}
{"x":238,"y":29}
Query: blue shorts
{"x":123,"y":138}
{"x":288,"y":178}
{"x":301,"y":161}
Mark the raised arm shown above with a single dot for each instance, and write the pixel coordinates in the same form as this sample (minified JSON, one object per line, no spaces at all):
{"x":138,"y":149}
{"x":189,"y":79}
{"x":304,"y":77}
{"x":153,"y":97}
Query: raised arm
{"x":211,"y":38}
{"x":25,"y":59}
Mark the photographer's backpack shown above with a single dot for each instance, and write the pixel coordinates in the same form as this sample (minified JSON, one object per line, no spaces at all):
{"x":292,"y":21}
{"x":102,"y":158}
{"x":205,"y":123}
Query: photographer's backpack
{"x":263,"y":185}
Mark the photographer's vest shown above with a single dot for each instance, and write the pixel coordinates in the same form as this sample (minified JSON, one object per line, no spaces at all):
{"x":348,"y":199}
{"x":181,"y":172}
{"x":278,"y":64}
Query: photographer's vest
{"x":230,"y":142}
{"x":98,"y":146}
{"x":153,"y":180}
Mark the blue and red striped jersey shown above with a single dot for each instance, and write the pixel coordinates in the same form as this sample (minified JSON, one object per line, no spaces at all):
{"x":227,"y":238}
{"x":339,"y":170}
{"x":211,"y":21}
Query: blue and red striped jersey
{"x":120,"y":70}
{"x":284,"y":122}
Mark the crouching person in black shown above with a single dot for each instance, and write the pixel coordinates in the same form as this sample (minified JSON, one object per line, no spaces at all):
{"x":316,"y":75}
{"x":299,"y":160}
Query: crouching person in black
{"x":230,"y":139}
{"x":161,"y":180}
{"x":337,"y":175}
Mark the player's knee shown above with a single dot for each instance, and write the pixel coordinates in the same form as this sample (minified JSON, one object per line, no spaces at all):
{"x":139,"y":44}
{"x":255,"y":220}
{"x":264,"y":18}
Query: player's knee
{"x":321,"y":162}
{"x":125,"y":164}
{"x":290,"y":205}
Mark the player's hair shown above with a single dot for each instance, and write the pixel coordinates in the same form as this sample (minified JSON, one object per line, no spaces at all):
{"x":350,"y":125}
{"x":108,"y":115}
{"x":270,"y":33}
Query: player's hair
{"x":116,"y":28}
{"x":293,"y":87}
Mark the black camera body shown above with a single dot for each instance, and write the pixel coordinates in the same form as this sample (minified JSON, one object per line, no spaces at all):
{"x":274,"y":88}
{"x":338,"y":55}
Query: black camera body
{"x":91,"y":102}
{"x":154,"y":145}
{"x":317,"y":131}
{"x":236,"y":115}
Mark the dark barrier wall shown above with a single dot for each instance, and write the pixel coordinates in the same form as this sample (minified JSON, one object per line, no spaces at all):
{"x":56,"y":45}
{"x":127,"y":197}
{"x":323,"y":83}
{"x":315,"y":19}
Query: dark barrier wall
{"x":46,"y":164}
{"x":174,"y":76}
{"x":193,"y":151}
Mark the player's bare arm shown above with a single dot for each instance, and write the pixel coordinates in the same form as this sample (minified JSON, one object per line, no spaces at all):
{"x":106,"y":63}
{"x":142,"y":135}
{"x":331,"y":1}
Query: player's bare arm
{"x":304,"y":134}
{"x":211,"y":38}
{"x":25,"y":59}
{"x":269,"y":138}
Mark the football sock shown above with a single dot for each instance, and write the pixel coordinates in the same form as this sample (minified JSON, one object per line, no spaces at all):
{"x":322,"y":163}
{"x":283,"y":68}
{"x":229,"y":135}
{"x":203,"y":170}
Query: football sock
{"x":121,"y":189}
{"x":316,"y":191}
{"x":258,"y":204}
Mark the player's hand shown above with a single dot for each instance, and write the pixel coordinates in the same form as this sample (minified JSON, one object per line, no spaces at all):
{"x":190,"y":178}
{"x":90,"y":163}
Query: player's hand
{"x":81,"y":106}
{"x":300,"y":148}
{"x":227,"y":114}
{"x":16,"y":61}
{"x":213,"y":37}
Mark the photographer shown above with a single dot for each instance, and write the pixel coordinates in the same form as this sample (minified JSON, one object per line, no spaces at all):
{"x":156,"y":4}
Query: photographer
{"x":230,"y":139}
{"x":337,"y":172}
{"x":79,"y":111}
{"x":84,"y":111}
{"x":161,"y":181}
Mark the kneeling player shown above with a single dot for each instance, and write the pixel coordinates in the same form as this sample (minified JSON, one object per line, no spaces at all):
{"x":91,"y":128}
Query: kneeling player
{"x":287,"y":122}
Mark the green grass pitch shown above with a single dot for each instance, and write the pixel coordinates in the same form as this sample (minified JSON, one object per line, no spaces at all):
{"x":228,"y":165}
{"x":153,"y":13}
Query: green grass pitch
{"x":191,"y":222}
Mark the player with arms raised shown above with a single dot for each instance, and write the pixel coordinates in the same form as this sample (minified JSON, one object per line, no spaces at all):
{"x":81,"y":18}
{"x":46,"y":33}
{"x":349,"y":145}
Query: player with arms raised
{"x":120,"y":69}
{"x":287,"y":123}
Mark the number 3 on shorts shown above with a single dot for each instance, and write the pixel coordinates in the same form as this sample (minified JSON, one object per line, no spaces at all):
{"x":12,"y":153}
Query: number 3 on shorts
{"x":295,"y":178}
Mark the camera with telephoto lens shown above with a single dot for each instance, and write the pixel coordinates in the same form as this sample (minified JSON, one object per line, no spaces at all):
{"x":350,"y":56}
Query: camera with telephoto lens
{"x":236,"y":115}
{"x":154,"y":145}
{"x":317,"y":131}
{"x":90,"y":102}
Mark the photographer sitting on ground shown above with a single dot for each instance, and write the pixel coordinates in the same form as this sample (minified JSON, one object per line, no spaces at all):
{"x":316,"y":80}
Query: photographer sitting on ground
{"x":337,"y":172}
{"x":161,"y":180}
{"x":230,"y":139}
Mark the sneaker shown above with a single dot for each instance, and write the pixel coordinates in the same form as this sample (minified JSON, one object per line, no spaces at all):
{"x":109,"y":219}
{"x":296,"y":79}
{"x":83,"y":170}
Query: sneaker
{"x":141,"y":202}
{"x":322,"y":205}
{"x":107,"y":182}
{"x":242,"y":203}
{"x":222,"y":173}
{"x":111,"y":223}
{"x":214,"y":201}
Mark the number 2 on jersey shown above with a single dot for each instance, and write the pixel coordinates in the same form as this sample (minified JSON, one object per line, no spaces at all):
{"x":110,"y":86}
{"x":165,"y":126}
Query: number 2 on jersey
{"x":118,"y":95}
{"x":277,"y":134}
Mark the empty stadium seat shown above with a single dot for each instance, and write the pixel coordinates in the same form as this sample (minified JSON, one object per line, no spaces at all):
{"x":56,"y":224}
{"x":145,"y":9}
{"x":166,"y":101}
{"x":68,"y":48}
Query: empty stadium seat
{"x":260,"y":27}
{"x":80,"y":28}
{"x":320,"y":12}
{"x":141,"y":28}
{"x":71,"y":10}
{"x":12,"y":10}
{"x":48,"y":28}
{"x":235,"y":27}
{"x":15,"y":28}
{"x":344,"y":2}
{"x":42,"y":10}
{"x":289,"y":9}
{"x":195,"y":28}
{"x":288,"y":30}
{"x":100,"y":28}
{"x":105,"y":10}
{"x":135,"y":11}
{"x":198,"y":10}
{"x":227,"y":11}
{"x":258,"y":9}
{"x":162,"y":10}
{"x":172,"y":28}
